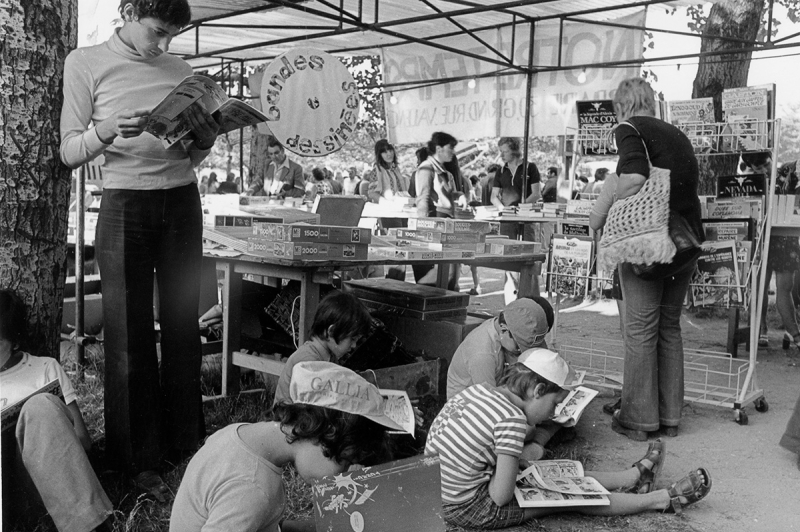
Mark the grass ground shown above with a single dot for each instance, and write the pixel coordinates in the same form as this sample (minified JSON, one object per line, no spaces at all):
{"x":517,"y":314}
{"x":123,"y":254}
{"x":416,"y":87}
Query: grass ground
{"x":136,"y":513}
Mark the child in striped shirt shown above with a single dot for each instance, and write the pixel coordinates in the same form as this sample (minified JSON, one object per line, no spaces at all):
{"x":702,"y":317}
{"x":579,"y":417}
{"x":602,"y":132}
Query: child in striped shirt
{"x":479,"y":435}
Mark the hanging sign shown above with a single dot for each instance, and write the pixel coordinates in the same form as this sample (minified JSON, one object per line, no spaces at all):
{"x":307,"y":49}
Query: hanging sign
{"x":311,"y":102}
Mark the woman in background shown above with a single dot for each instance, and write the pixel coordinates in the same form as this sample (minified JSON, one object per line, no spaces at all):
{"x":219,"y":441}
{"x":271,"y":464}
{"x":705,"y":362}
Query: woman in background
{"x":439,"y":192}
{"x":389,"y":181}
{"x":213,"y":184}
{"x":652,"y":393}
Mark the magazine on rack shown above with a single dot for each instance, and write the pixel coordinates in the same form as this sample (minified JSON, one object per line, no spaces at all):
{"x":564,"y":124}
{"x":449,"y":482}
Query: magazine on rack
{"x":168,"y":122}
{"x":554,"y":483}
{"x":716,"y":279}
{"x":570,"y":265}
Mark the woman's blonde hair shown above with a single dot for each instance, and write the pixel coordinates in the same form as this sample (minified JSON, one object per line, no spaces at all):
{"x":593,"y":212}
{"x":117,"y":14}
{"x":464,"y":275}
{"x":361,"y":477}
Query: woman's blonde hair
{"x":634,"y":97}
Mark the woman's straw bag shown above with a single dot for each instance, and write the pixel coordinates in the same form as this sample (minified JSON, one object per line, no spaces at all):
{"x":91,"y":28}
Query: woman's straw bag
{"x":637,"y":228}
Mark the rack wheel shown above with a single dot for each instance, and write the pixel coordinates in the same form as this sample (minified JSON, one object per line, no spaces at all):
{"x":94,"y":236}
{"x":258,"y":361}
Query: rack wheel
{"x":761,"y":405}
{"x":740,"y":416}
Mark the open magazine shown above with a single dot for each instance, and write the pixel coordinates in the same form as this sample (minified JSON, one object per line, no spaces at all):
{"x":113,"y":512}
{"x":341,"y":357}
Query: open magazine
{"x":552,"y":483}
{"x":569,"y":411}
{"x":10,"y":413}
{"x":167,"y":121}
{"x":398,"y":408}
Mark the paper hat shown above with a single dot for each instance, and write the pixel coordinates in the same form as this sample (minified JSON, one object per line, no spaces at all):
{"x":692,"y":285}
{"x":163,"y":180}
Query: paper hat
{"x":550,"y":366}
{"x":329,"y":385}
{"x":527,"y":322}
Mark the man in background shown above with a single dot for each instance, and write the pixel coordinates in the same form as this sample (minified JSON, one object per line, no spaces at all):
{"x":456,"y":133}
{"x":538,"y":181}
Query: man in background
{"x":550,"y":189}
{"x":283,"y":177}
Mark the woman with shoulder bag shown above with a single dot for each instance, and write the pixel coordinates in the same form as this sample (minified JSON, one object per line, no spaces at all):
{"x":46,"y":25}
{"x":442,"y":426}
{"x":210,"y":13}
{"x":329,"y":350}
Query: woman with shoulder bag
{"x":652,"y":393}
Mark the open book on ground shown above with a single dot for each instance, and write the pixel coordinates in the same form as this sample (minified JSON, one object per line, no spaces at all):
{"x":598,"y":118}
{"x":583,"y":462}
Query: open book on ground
{"x":552,"y":483}
{"x":168,"y":122}
{"x":10,"y":413}
{"x":569,"y":411}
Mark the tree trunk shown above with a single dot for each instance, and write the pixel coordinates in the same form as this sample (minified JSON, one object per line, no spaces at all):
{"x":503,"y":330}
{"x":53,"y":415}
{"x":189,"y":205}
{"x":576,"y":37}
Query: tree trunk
{"x":739,"y":19}
{"x":34,"y":184}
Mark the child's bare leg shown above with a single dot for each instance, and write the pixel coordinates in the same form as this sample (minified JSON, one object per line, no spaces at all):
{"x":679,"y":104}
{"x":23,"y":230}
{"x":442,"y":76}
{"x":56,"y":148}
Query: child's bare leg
{"x":621,"y":504}
{"x":615,"y":480}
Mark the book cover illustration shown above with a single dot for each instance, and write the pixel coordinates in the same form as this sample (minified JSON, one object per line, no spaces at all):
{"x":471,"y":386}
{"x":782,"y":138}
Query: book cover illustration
{"x":553,"y":483}
{"x":716,"y":279}
{"x":596,"y":119}
{"x":745,"y":112}
{"x":741,"y":186}
{"x":569,"y":411}
{"x":695,"y":118}
{"x":570,"y":263}
{"x":398,"y":496}
{"x":168,"y":122}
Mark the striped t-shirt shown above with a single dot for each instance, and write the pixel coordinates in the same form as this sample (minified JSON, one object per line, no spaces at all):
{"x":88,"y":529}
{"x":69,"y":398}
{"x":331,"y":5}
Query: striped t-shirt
{"x":471,"y":430}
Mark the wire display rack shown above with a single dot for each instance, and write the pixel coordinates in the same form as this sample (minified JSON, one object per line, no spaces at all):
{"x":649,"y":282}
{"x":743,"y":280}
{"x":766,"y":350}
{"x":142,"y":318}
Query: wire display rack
{"x":710,"y":378}
{"x":713,"y":378}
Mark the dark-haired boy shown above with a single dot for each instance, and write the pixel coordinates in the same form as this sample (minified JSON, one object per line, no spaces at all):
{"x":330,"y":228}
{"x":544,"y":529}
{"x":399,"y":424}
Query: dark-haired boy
{"x":335,"y":419}
{"x":341,"y":320}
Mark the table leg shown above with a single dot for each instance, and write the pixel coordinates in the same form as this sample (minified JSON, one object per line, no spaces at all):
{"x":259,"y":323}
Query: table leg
{"x":232,"y":326}
{"x":442,"y":275}
{"x":529,"y":280}
{"x":309,"y":301}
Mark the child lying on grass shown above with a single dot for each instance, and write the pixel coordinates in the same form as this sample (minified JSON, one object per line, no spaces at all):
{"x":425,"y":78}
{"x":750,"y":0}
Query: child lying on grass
{"x":479,"y":435}
{"x":234,"y":482}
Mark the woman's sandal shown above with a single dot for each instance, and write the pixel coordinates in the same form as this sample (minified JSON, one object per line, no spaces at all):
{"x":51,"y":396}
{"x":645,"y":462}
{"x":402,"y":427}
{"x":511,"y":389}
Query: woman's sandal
{"x":152,"y":484}
{"x":691,"y":488}
{"x":648,"y":474}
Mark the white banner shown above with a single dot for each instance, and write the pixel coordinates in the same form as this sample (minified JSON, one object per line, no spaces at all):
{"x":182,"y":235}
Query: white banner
{"x":496,"y":105}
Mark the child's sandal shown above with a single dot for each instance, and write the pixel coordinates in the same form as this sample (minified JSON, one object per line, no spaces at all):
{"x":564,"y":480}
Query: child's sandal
{"x":693,"y":487}
{"x":656,"y":455}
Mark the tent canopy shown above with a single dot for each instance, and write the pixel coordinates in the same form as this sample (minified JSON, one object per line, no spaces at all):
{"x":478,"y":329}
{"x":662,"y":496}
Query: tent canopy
{"x":225,"y":31}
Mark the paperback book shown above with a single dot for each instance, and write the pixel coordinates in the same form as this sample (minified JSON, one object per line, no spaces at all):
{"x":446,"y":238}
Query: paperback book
{"x":695,"y":118}
{"x":745,"y":112}
{"x":716,"y":280}
{"x":728,"y":229}
{"x":596,"y":119}
{"x":558,"y":483}
{"x":570,"y":265}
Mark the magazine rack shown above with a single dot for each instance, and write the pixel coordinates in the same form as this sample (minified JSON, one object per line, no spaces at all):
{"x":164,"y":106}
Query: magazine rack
{"x":712,"y":378}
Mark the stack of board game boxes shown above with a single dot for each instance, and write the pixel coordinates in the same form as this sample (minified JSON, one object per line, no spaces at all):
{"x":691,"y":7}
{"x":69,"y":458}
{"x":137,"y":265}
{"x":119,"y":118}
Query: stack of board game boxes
{"x":449,"y":239}
{"x":231,"y":227}
{"x":390,"y":296}
{"x":309,"y":242}
{"x":437,"y":238}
